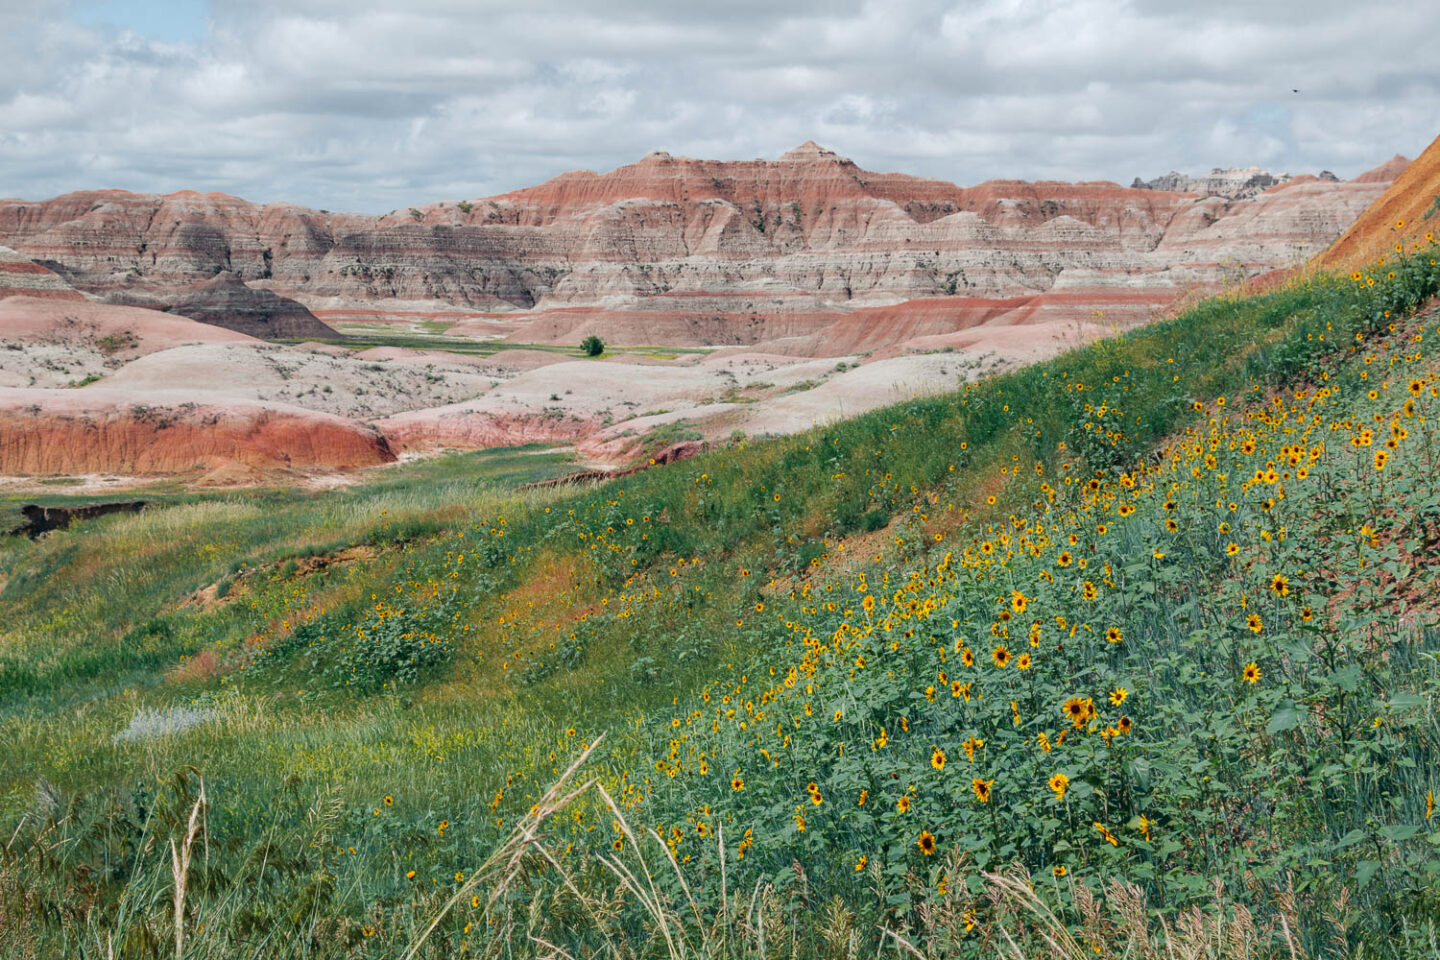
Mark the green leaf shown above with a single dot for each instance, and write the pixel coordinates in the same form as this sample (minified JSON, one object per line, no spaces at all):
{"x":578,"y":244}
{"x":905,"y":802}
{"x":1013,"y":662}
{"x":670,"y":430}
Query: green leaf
{"x":1286,"y":717}
{"x":1365,"y":871}
{"x":1400,"y":831}
{"x":1348,"y":678}
{"x":1191,"y":883}
{"x":1353,"y":837}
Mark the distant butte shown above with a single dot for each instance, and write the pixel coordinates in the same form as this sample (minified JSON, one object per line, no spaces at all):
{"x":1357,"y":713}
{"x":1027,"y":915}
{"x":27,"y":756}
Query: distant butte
{"x":700,"y":251}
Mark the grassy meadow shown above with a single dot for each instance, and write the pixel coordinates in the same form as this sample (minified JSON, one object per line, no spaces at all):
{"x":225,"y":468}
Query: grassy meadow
{"x":434,"y":335}
{"x":1132,"y":653}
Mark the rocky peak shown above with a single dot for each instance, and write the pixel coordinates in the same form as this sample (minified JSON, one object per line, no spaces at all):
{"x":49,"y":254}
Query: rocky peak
{"x":811,"y":152}
{"x":1234,"y":183}
{"x":1388,"y":171}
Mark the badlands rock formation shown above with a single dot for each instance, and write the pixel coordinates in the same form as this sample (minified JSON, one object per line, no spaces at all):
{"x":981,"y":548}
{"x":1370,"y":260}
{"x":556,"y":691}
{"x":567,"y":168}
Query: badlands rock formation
{"x":676,"y":250}
{"x":48,"y":342}
{"x":226,"y":301}
{"x":1385,"y":173}
{"x":1236,"y":183}
{"x":785,"y":266}
{"x":97,"y":430}
{"x":345,"y":385}
{"x":53,"y":421}
{"x":22,"y":277}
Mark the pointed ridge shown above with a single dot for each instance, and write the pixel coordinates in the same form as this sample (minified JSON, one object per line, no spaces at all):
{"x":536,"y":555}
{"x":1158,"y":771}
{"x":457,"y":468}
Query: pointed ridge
{"x":809,"y":152}
{"x":1386,"y":172}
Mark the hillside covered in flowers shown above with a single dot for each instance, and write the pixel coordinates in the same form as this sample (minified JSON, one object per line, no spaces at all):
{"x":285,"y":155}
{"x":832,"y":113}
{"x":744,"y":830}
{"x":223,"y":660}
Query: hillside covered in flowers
{"x":1128,"y":653}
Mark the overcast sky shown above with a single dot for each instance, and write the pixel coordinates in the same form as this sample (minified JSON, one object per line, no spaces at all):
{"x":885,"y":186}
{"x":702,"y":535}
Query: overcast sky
{"x":358,"y":105}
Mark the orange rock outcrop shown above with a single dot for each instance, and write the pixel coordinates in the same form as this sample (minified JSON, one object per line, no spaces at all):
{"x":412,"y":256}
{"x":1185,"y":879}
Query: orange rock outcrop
{"x":1412,"y":199}
{"x":97,"y":431}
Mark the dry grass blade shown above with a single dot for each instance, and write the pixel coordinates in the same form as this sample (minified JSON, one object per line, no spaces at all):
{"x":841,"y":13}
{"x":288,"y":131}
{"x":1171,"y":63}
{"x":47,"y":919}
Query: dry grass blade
{"x":757,"y":930}
{"x":1295,"y":953}
{"x":1015,"y":952}
{"x":1019,"y":892}
{"x":651,"y":901}
{"x":504,"y":863}
{"x":902,"y":942}
{"x":587,"y":902}
{"x":675,"y":865}
{"x":180,"y":867}
{"x":554,"y":950}
{"x":722,"y":922}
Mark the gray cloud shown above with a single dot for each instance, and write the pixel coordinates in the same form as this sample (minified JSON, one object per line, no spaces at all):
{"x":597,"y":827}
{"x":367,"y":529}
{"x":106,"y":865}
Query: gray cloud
{"x":369,"y":106}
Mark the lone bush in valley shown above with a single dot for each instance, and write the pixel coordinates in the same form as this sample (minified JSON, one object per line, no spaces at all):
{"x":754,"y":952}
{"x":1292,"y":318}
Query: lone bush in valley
{"x":593,"y":346}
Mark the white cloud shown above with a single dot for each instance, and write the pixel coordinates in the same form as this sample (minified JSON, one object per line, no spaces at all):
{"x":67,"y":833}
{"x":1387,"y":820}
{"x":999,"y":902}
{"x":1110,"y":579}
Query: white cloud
{"x":358,"y":104}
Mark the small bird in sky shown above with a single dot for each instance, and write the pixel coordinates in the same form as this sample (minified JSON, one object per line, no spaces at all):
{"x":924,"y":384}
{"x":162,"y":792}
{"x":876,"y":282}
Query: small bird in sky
{"x":1293,"y":90}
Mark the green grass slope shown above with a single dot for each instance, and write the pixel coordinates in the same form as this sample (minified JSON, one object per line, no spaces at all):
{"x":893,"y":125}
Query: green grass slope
{"x":1127,"y":652}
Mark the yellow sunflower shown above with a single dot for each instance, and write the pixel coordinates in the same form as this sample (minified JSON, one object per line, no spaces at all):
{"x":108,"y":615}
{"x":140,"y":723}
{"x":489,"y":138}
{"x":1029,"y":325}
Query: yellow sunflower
{"x":1079,"y":710}
{"x":1059,"y":783}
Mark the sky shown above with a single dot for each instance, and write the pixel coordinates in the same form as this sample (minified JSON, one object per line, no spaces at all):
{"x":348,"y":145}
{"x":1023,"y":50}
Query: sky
{"x":365,"y":106}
